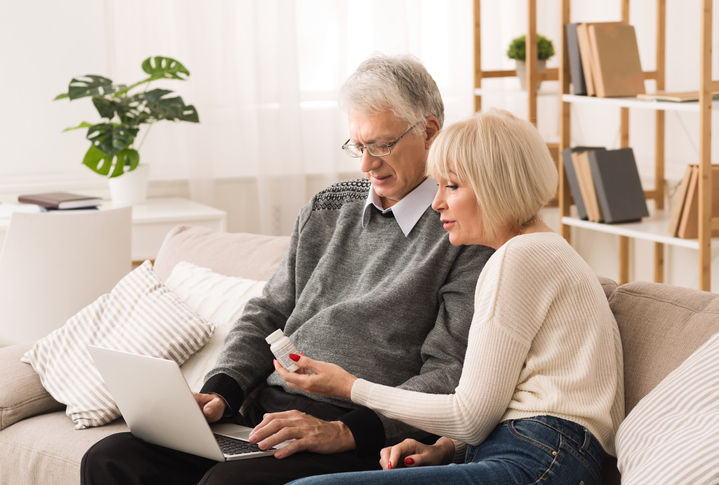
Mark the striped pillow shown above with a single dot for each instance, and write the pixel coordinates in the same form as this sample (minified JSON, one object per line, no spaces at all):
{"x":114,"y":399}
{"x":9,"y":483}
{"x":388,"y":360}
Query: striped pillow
{"x":216,"y":298}
{"x":671,"y":435}
{"x":139,"y":315}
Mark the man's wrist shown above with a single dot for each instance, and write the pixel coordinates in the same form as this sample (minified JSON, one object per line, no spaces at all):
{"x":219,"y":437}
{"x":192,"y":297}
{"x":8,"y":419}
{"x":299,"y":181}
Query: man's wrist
{"x":346,"y":439}
{"x":227,"y":388}
{"x":367,"y":431}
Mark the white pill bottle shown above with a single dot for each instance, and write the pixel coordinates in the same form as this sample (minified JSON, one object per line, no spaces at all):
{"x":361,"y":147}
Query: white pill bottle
{"x":282,"y":346}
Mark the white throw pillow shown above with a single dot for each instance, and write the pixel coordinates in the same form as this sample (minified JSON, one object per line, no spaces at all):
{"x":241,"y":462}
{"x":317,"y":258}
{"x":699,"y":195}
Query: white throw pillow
{"x":216,"y":298}
{"x":140,"y":315}
{"x":671,"y":435}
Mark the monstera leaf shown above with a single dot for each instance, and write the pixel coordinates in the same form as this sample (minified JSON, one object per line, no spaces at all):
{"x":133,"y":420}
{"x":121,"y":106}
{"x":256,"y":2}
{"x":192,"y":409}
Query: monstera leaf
{"x":97,"y":161}
{"x":111,"y":138}
{"x":81,"y":88}
{"x":159,"y":67}
{"x":165,"y":67}
{"x":106,"y":107}
{"x":101,"y":163}
{"x":173,"y":108}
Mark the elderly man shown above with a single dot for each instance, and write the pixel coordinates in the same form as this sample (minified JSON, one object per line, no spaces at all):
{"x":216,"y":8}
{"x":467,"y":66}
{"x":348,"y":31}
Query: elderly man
{"x":369,"y":282}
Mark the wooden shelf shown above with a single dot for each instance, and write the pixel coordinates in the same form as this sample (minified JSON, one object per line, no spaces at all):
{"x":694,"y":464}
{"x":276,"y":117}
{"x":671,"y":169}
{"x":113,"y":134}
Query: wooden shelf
{"x":522,"y":93}
{"x":634,"y":102}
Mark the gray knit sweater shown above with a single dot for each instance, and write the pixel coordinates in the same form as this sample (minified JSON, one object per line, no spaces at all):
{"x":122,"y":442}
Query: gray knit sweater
{"x":392,"y":309}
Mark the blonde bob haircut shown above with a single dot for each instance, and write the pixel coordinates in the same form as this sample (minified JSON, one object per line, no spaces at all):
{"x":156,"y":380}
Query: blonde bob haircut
{"x":505,"y":161}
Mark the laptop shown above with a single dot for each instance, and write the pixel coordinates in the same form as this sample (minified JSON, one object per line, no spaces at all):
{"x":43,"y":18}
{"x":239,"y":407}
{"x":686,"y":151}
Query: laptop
{"x":159,"y":407}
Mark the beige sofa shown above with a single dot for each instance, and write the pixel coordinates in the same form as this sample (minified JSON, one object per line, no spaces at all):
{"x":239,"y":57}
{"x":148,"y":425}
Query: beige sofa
{"x":660,"y":325}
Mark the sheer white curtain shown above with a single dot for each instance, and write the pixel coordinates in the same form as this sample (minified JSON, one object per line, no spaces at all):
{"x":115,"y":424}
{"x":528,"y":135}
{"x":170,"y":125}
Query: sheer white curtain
{"x":264,"y":79}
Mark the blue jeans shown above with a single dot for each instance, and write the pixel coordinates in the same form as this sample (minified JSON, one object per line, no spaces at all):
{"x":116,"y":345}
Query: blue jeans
{"x":541,"y":449}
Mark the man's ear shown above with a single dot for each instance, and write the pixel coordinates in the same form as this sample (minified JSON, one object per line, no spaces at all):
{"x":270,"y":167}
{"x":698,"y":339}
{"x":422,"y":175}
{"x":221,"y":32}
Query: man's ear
{"x":431,"y":131}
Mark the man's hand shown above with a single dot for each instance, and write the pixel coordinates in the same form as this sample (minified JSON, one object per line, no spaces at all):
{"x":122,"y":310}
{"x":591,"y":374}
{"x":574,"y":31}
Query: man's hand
{"x":317,"y":377}
{"x":413,"y":453}
{"x":309,"y":434}
{"x":212,"y":405}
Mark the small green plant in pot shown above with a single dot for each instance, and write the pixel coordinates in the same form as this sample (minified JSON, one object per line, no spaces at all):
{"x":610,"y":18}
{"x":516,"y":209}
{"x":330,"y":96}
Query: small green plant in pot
{"x":517,"y":50}
{"x":124,"y":109}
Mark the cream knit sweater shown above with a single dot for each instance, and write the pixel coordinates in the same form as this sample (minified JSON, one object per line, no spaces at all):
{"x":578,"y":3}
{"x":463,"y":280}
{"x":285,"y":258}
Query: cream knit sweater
{"x":543,"y":341}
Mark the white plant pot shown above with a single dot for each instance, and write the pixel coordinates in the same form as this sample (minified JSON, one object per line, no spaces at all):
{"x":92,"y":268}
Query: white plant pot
{"x":522,"y":72}
{"x":130,"y":188}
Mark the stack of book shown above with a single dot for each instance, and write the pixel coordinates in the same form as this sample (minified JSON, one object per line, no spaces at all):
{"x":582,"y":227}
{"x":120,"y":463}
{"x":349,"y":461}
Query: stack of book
{"x":604,"y":59}
{"x":605,"y":184}
{"x":61,"y":201}
{"x":684,"y":222}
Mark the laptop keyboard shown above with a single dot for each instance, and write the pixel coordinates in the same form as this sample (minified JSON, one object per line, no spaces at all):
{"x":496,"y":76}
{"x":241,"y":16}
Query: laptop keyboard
{"x":231,"y":446}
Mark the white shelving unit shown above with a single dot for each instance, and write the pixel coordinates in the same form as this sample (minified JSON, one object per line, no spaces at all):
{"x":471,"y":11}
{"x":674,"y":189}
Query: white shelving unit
{"x":652,"y":228}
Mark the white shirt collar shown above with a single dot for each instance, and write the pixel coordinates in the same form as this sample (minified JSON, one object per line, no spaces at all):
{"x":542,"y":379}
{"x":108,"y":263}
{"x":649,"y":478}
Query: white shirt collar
{"x":408,"y":210}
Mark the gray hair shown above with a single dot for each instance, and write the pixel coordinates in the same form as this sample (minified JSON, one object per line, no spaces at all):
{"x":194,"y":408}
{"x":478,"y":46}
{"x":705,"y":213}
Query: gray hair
{"x":399,"y":84}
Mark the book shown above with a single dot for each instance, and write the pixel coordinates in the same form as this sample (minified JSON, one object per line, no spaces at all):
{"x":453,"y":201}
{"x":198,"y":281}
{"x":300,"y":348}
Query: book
{"x":616,"y":67}
{"x":689,"y":224}
{"x":677,"y":97}
{"x":60,"y":200}
{"x":576,"y":71}
{"x":585,"y":53}
{"x":679,"y":201}
{"x":573,"y":180}
{"x":617,"y":184}
{"x":586,"y":185}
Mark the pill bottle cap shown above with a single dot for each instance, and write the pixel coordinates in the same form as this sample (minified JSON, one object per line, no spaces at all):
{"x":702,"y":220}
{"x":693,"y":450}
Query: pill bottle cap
{"x":275,"y":336}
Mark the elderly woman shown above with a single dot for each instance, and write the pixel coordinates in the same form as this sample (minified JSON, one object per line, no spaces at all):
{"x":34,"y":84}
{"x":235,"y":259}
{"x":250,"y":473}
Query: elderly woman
{"x":541,"y":391}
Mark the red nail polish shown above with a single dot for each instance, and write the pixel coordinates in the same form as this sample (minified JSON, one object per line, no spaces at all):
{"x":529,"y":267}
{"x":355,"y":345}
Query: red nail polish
{"x":389,"y":465}
{"x":408,"y":461}
{"x":294,"y":357}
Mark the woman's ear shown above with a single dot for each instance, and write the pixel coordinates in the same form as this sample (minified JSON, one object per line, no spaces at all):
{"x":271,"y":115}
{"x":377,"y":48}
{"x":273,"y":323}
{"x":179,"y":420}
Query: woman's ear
{"x":431,"y":131}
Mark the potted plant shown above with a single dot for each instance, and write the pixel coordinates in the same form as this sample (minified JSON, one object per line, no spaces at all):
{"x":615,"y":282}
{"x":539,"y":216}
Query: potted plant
{"x":124,"y":109}
{"x":518,"y":51}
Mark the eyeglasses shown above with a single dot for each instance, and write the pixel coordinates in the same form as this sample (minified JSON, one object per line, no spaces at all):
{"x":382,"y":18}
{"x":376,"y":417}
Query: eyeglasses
{"x":374,"y":149}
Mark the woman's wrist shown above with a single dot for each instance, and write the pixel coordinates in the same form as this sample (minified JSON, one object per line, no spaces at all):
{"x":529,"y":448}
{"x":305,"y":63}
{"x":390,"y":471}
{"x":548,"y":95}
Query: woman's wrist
{"x":348,"y":386}
{"x":446,"y":446}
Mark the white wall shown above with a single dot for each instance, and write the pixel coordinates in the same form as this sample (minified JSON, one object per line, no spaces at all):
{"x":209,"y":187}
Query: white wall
{"x":43,"y":45}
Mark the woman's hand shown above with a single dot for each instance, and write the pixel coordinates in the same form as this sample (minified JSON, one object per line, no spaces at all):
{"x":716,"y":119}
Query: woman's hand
{"x":317,"y":377}
{"x":413,"y":453}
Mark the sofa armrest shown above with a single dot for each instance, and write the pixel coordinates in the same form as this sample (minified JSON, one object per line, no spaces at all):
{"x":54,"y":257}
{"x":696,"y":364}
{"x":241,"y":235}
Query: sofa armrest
{"x":21,"y":393}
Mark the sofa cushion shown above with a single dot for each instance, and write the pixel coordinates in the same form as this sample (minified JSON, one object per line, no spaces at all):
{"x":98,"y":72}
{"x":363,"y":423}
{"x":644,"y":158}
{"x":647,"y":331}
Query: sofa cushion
{"x":670,"y":436}
{"x":140,"y":315}
{"x":232,"y":254}
{"x":22,"y":392}
{"x":661,"y":325}
{"x":608,"y":285}
{"x":46,"y":449}
{"x":216,"y":298}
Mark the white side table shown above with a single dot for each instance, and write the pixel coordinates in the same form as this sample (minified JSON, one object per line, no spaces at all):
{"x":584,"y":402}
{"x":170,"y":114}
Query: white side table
{"x":152,"y":221}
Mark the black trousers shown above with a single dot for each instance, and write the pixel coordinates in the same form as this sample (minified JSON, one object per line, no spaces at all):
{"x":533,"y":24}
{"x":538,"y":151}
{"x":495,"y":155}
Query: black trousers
{"x":124,"y":459}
